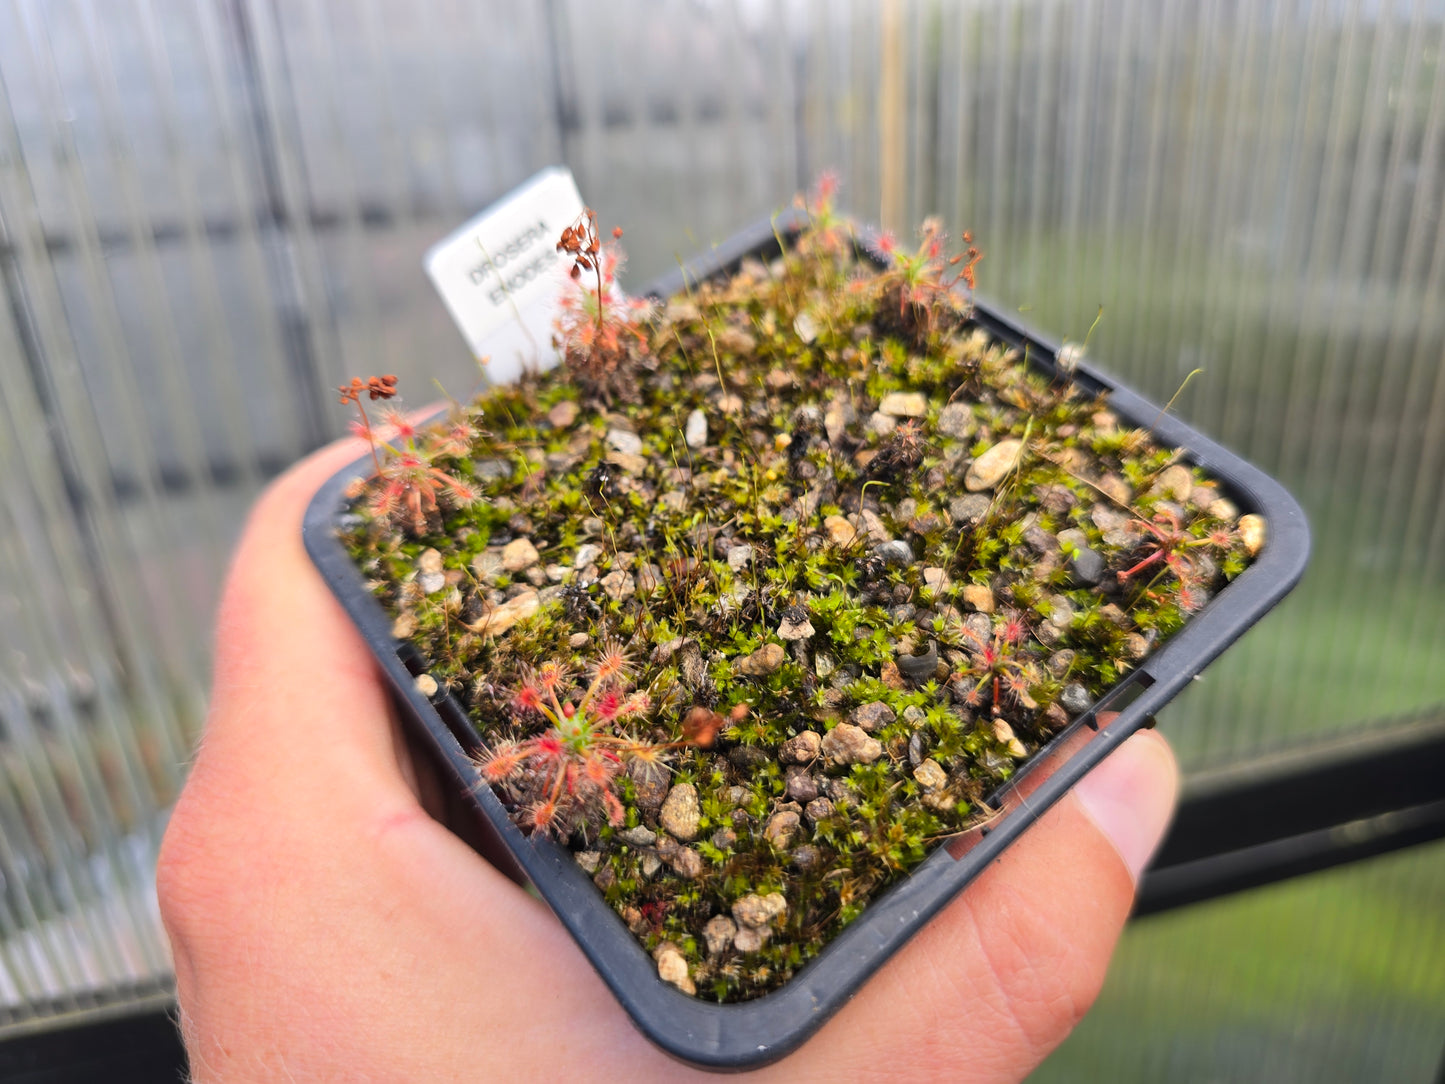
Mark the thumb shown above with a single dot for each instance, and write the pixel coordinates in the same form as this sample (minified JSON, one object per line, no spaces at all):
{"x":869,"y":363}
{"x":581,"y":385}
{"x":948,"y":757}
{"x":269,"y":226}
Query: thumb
{"x":1130,"y":798}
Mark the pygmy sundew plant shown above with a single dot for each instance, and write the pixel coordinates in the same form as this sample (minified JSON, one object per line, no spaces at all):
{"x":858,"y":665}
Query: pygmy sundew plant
{"x":565,"y":778}
{"x":409,"y":486}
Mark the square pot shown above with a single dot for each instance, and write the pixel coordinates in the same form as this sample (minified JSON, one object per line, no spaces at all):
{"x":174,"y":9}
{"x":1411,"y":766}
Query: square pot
{"x":748,"y":1034}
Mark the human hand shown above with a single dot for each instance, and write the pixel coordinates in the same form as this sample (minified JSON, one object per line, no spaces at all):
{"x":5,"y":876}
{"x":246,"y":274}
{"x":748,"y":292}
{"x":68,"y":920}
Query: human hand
{"x":326,"y":926}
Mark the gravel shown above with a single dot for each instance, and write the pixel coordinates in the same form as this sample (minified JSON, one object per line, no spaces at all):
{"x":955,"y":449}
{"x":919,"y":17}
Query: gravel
{"x":680,"y":813}
{"x":1075,"y":698}
{"x":848,"y":744}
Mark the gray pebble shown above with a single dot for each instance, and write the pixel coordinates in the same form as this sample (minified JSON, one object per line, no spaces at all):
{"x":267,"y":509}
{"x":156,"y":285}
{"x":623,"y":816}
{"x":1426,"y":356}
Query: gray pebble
{"x":1087,"y":567}
{"x":718,"y":934}
{"x":872,"y":715}
{"x":896,"y":552}
{"x":623,"y":441}
{"x":920,"y":667}
{"x":970,"y":509}
{"x":956,"y":421}
{"x":1075,"y":698}
{"x":800,"y":786}
{"x":1061,"y":611}
{"x":695,"y":433}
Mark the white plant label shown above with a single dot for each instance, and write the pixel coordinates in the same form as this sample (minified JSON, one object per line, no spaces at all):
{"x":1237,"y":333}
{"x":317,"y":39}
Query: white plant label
{"x":500,"y":274}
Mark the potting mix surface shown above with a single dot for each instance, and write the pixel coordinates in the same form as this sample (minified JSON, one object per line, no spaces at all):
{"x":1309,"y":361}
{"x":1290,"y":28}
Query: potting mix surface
{"x":758,"y":597}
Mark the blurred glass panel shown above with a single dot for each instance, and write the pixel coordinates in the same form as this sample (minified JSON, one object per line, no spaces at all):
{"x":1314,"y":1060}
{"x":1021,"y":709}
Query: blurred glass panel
{"x":1331,"y":978}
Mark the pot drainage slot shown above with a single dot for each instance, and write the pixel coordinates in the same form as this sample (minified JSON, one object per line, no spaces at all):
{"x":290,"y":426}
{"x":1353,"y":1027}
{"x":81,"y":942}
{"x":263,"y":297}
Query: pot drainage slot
{"x":1119,"y":697}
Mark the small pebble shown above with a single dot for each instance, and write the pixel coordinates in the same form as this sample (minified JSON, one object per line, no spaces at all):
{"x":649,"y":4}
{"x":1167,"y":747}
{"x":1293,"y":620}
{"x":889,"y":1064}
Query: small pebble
{"x":426,"y":685}
{"x":805,"y":325}
{"x":695,"y":432}
{"x":1175,"y":482}
{"x":563,"y":414}
{"x":1059,"y":662}
{"x":1113,"y":486}
{"x":1223,"y":508}
{"x":681,"y":813}
{"x":782,"y":829}
{"x":956,"y":421}
{"x":819,"y":809}
{"x":672,"y":968}
{"x":978,"y":596}
{"x":756,"y":911}
{"x":1086,"y":567}
{"x":969,"y":510}
{"x":621,"y":440}
{"x":748,"y":939}
{"x":768,"y":659}
{"x":896,"y":553}
{"x":795,"y":630}
{"x":1075,"y":698}
{"x":508,"y":614}
{"x":881,"y":424}
{"x":519,"y":554}
{"x":807,"y":857}
{"x":798,"y":785}
{"x":989,"y":469}
{"x":1252,"y":533}
{"x":1040,"y":540}
{"x":1061,"y":611}
{"x":840,"y":531}
{"x":718,"y":934}
{"x":802,"y":748}
{"x":930,"y":776}
{"x":904,"y":404}
{"x":848,"y":744}
{"x":638,"y":837}
{"x":872,"y":715}
{"x":619,"y":585}
{"x":685,"y":861}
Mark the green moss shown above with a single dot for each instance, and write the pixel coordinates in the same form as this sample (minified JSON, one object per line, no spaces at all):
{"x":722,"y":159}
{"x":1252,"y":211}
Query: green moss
{"x":789,"y":364}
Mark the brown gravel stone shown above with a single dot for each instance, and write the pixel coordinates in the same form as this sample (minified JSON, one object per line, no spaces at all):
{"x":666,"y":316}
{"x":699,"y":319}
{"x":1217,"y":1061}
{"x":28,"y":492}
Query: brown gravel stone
{"x":782,"y":829}
{"x":872,"y":715}
{"x":762,"y":662}
{"x":801,"y":748}
{"x":680,"y":813}
{"x":848,"y":744}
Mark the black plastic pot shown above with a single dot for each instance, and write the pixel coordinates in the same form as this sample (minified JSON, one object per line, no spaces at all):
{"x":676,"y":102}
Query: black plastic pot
{"x":740,"y":1036}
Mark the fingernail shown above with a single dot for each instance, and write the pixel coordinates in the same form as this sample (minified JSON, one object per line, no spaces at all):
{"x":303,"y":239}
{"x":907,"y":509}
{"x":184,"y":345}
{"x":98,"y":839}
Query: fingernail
{"x":1130,"y":797}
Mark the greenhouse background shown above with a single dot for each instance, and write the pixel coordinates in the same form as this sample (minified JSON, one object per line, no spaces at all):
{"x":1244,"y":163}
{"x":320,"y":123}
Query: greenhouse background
{"x":212,"y":212}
